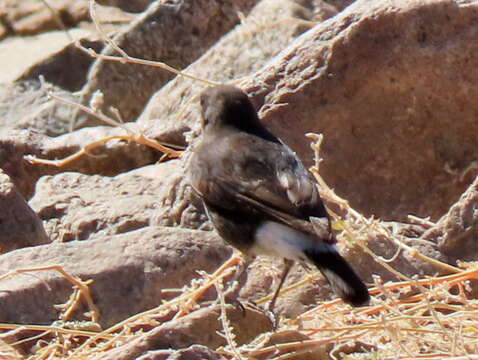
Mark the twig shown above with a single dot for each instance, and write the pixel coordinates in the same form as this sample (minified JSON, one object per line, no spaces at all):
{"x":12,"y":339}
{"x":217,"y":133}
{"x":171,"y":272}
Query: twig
{"x":137,"y":137}
{"x":81,"y":285}
{"x":58,"y":20}
{"x":218,"y":274}
{"x":125,"y":58}
{"x":226,"y":325}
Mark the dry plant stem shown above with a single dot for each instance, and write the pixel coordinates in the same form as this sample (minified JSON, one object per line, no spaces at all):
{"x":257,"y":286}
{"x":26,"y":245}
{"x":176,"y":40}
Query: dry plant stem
{"x":134,"y":60}
{"x":302,"y":344}
{"x":92,"y":10}
{"x":442,"y":356}
{"x":46,"y":352}
{"x":425,"y":222}
{"x":81,"y":285}
{"x":379,"y":327}
{"x":295,"y":354}
{"x":378,"y":259}
{"x":358,"y":217}
{"x":19,"y":342}
{"x":58,"y":20}
{"x":55,"y":329}
{"x":228,"y":334}
{"x":73,"y":302}
{"x":125,"y":334}
{"x":218,"y":274}
{"x":453,"y":279}
{"x":99,"y":115}
{"x":140,"y":138}
{"x":415,"y":253}
{"x":125,"y":58}
{"x":289,"y":288}
{"x":136,"y":137}
{"x":85,"y":151}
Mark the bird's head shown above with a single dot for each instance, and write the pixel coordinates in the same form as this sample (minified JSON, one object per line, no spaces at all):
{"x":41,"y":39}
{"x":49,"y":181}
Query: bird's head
{"x":225,"y":105}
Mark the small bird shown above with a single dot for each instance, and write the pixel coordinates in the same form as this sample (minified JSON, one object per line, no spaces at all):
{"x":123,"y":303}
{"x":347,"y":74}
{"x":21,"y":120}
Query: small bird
{"x":259,"y":196}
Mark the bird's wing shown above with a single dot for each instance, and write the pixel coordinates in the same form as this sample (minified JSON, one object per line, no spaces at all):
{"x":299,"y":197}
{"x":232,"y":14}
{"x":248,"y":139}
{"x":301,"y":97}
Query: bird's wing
{"x":269,"y":181}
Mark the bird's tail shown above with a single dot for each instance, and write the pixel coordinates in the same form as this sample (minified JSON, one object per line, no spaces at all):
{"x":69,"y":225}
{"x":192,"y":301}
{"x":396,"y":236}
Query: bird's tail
{"x":340,"y":275}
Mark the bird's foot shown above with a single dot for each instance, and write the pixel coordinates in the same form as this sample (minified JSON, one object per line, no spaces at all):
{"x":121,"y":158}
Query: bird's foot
{"x":273,"y":317}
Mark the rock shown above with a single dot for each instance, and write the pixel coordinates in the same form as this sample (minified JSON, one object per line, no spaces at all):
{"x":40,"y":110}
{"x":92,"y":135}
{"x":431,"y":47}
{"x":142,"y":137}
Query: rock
{"x":129,"y":272}
{"x":456,"y":232}
{"x":80,"y":207}
{"x":118,"y":155}
{"x":135,"y":6}
{"x":25,"y":105}
{"x":200,"y":327}
{"x":340,"y":4}
{"x":19,"y":225}
{"x":389,"y":88}
{"x":273,"y":340}
{"x":191,"y":353}
{"x":186,"y":30}
{"x":56,"y":69}
{"x":38,"y":49}
{"x":270,"y":27}
{"x":30,"y":17}
{"x":24,"y":52}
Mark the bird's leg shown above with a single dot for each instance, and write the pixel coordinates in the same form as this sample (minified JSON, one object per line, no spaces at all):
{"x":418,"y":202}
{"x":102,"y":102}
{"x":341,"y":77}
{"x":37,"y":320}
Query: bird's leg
{"x":287,"y":266}
{"x":233,"y":293}
{"x":240,"y":269}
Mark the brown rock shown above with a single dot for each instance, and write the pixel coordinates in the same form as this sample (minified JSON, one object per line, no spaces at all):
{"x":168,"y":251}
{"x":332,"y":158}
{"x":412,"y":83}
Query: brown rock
{"x":340,"y":4}
{"x":19,"y":225}
{"x":288,"y":336}
{"x":26,"y":51}
{"x":174,"y":32}
{"x":199,"y":327}
{"x":389,"y":85}
{"x":79,"y":207}
{"x":25,"y":105}
{"x":456,"y":232}
{"x":128,"y":5}
{"x":41,"y":43}
{"x":119,"y":156}
{"x":270,"y":27}
{"x":57,"y":68}
{"x":130,"y":272}
{"x":191,"y":353}
{"x":29,"y":17}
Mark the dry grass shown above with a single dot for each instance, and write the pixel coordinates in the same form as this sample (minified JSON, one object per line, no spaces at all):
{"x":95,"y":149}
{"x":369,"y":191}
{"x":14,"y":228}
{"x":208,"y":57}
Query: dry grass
{"x":428,"y":318}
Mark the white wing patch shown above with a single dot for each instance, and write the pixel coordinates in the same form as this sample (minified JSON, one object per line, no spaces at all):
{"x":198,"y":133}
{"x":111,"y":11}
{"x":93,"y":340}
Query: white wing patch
{"x":299,"y":189}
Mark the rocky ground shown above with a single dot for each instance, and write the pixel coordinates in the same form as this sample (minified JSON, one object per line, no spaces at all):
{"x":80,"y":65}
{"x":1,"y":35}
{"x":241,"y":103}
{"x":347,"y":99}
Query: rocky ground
{"x":390,"y":84}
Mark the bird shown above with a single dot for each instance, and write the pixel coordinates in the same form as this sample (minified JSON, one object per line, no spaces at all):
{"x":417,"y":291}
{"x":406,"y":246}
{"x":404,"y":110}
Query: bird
{"x":259,"y":196}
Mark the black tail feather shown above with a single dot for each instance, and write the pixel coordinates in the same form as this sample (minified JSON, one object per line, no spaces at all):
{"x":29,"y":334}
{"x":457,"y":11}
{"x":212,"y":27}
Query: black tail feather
{"x":340,"y":275}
